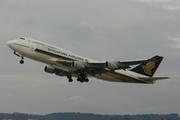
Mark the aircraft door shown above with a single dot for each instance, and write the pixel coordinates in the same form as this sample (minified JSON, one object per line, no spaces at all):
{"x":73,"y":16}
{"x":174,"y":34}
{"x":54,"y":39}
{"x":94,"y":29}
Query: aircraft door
{"x":32,"y":45}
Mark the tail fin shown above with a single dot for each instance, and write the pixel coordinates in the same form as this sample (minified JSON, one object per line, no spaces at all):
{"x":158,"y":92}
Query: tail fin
{"x":148,"y":68}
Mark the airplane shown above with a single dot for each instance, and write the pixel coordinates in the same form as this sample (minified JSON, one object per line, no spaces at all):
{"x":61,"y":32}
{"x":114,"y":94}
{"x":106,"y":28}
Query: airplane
{"x":65,"y":63}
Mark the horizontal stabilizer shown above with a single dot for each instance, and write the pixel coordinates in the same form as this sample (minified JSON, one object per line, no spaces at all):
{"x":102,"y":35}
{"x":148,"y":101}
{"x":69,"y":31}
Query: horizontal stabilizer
{"x":153,"y":78}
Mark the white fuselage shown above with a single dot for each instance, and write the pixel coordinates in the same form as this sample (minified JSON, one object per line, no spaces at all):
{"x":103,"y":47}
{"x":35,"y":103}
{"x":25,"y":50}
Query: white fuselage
{"x":48,"y":54}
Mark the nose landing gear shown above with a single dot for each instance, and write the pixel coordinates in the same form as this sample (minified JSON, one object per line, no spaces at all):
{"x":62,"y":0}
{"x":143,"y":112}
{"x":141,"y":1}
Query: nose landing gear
{"x":22,"y":60}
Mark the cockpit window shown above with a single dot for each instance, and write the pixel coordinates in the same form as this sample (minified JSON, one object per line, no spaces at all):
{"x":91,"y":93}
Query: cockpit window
{"x":22,"y":38}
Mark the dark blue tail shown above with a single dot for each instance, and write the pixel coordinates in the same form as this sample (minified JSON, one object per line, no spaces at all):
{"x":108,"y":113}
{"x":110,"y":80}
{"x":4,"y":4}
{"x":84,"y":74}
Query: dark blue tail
{"x":148,"y":68}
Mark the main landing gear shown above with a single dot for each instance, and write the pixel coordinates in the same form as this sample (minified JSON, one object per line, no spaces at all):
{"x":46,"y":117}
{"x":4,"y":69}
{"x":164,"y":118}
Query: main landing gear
{"x":80,"y":77}
{"x":69,"y":78}
{"x":22,"y":60}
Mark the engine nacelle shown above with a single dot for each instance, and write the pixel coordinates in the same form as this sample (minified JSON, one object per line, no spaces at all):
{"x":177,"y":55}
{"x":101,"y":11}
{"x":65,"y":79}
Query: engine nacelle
{"x":77,"y":65}
{"x":49,"y":69}
{"x":61,"y":73}
{"x":111,"y":65}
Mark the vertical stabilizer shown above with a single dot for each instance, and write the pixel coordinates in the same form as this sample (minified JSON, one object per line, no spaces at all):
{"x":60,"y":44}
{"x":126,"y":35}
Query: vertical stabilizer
{"x":150,"y":67}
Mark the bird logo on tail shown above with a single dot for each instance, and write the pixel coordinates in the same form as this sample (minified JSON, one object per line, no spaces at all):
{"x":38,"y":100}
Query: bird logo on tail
{"x":148,"y":67}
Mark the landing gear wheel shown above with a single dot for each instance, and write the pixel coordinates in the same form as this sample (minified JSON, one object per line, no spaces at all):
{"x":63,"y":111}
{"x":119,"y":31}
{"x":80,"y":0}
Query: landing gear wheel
{"x":82,"y":78}
{"x":86,"y":80}
{"x":22,"y":61}
{"x":78,"y":79}
{"x":70,"y":80}
{"x":81,"y":81}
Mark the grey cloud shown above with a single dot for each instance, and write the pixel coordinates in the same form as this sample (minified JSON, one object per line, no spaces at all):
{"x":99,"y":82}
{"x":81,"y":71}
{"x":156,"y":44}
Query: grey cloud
{"x":167,"y":4}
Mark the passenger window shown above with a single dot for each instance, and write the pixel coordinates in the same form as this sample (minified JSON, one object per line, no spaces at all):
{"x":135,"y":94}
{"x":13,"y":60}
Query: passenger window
{"x":22,"y":38}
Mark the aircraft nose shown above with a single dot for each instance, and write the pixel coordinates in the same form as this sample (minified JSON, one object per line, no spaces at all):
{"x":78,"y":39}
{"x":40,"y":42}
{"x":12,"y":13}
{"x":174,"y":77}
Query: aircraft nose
{"x":9,"y":43}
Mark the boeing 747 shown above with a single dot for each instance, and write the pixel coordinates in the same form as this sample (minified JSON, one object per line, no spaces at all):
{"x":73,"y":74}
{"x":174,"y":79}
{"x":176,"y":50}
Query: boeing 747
{"x":65,"y":63}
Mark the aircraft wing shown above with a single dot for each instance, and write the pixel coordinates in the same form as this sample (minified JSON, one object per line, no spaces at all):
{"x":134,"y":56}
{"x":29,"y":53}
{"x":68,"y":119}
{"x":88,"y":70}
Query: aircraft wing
{"x":102,"y":64}
{"x":115,"y":65}
{"x":97,"y":66}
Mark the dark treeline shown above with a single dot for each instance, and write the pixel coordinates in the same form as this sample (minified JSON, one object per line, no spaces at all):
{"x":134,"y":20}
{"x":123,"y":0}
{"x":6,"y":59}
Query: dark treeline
{"x":86,"y":116}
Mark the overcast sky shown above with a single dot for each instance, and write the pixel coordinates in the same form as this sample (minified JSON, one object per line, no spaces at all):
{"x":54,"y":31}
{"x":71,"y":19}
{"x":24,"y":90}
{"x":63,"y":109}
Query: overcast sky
{"x":97,"y":29}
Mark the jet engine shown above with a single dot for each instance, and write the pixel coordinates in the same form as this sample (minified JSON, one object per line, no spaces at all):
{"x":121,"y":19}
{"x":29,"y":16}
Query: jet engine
{"x":49,"y":69}
{"x":61,"y":73}
{"x":111,"y":65}
{"x":77,"y":65}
